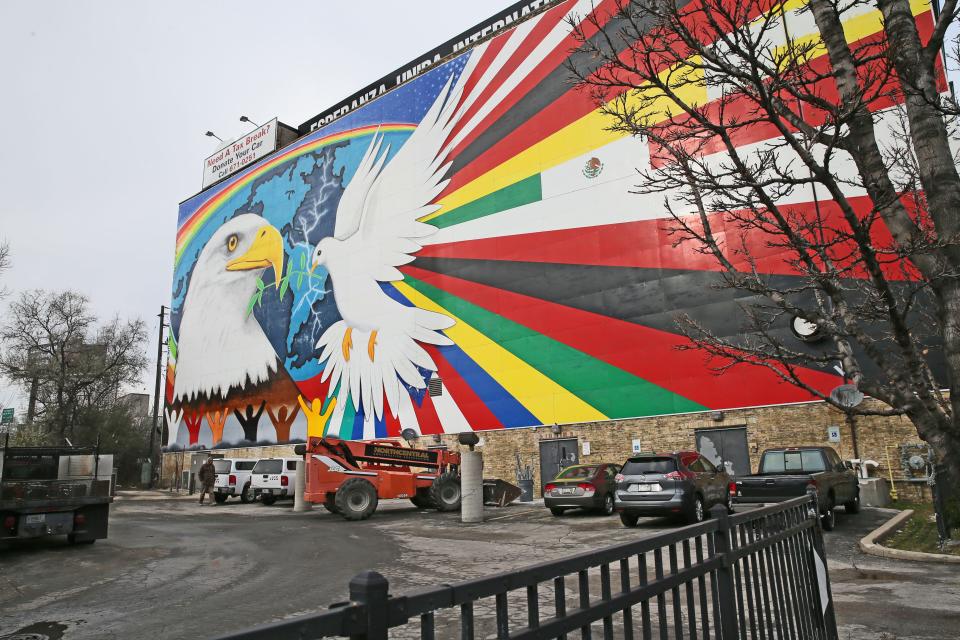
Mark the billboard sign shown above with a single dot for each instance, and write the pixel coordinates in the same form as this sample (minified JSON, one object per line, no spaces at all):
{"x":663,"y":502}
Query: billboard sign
{"x":503,"y":20}
{"x":240,"y":153}
{"x":6,"y":417}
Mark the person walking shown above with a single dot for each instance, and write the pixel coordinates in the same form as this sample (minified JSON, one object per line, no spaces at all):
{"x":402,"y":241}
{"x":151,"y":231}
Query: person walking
{"x":207,"y":475}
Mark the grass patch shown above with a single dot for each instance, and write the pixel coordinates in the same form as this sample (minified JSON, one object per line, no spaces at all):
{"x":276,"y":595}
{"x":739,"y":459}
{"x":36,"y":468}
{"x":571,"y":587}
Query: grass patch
{"x":919,"y":532}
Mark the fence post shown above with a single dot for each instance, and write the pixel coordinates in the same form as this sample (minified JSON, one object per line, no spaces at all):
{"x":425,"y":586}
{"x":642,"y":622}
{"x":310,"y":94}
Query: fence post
{"x":822,"y":591}
{"x":726,"y":591}
{"x":372,"y":591}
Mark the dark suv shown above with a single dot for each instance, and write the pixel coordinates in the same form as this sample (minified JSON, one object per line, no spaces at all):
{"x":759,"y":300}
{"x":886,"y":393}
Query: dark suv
{"x":681,"y":483}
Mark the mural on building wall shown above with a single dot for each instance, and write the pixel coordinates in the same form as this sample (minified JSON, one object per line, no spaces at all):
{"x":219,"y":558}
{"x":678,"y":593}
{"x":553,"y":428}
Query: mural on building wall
{"x":475,"y":225}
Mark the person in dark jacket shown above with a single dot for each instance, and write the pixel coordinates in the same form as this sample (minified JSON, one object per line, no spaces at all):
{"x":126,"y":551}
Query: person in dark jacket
{"x":207,"y":475}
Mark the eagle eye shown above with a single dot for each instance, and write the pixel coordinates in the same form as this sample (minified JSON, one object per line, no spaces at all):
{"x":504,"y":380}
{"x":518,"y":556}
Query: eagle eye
{"x":232,"y":242}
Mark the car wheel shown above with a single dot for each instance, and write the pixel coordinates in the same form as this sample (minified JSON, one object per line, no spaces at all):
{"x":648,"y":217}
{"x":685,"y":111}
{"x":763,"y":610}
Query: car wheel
{"x":267,"y":499}
{"x":220,"y":498}
{"x":445,"y":492}
{"x":629,"y":519}
{"x":557,"y":511}
{"x":246,"y":496}
{"x":853,"y":506}
{"x":356,"y":499}
{"x":697,"y":512}
{"x":828,"y":520}
{"x":607,"y":505}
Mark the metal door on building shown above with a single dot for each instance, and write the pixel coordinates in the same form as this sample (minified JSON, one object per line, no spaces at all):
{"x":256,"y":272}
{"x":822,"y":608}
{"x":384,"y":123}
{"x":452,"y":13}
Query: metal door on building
{"x":554,"y":456}
{"x":725,"y":448}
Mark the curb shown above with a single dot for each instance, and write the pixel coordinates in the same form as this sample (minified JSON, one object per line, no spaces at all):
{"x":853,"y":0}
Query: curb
{"x":868,"y":544}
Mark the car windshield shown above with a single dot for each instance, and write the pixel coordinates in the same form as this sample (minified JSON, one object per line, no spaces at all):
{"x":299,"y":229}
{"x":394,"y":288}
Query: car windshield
{"x":268,"y":466}
{"x":643,"y":466}
{"x":809,"y":461}
{"x":221,"y":466}
{"x":576,"y":473}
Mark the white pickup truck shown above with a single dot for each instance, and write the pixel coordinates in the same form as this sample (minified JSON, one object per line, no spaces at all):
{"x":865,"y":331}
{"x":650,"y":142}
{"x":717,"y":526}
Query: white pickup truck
{"x":273,"y":479}
{"x":233,"y":479}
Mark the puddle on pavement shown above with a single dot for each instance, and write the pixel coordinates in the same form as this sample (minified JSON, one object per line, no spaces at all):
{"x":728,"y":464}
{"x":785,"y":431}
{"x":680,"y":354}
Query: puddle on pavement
{"x":38,"y":631}
{"x":868,"y":575}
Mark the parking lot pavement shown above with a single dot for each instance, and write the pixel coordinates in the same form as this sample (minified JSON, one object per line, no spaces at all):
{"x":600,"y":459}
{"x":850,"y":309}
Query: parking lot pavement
{"x":174,"y":569}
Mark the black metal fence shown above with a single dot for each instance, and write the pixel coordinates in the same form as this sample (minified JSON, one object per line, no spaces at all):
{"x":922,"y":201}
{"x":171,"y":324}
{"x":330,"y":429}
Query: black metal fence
{"x":757,"y":575}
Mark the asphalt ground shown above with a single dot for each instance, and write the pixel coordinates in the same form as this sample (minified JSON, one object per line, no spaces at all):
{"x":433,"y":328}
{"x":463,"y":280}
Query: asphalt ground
{"x":174,"y":569}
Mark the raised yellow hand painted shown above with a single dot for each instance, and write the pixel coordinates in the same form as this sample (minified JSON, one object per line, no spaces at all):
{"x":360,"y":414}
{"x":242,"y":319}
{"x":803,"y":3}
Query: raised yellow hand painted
{"x":317,"y":418}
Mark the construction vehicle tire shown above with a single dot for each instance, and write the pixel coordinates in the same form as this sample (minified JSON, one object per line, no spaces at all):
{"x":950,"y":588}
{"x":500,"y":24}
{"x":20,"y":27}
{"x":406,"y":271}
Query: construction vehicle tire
{"x":356,"y":499}
{"x":330,"y":505}
{"x":422,"y":499}
{"x":445,"y":492}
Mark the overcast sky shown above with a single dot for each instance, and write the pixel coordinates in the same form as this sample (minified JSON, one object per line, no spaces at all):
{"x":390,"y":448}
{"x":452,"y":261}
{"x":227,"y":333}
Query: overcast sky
{"x":104,"y":106}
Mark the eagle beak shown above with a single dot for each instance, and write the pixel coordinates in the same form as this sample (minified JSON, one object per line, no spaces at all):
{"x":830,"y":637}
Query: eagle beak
{"x":266,"y":251}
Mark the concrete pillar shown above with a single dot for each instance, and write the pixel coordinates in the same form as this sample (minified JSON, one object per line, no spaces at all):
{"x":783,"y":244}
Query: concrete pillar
{"x":471,"y":486}
{"x":299,"y":486}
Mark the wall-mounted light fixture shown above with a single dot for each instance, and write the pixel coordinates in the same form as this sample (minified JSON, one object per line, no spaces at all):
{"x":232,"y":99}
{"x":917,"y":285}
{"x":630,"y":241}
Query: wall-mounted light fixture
{"x":555,"y":429}
{"x":717,"y":416}
{"x":246,"y":119}
{"x":211,"y":134}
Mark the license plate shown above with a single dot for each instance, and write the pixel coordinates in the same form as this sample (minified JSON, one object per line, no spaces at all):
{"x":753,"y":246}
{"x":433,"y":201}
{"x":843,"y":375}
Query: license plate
{"x":35,"y":518}
{"x":566,"y":491}
{"x":637,"y":488}
{"x":268,"y":491}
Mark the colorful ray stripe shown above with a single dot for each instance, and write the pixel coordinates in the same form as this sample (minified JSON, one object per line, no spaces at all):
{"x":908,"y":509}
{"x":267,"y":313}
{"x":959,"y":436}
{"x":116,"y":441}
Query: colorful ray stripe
{"x":641,"y":244}
{"x":518,"y":194}
{"x":189,"y":229}
{"x":649,"y":354}
{"x":469,"y":382}
{"x":540,"y":395}
{"x":611,"y":390}
{"x":588,"y":132}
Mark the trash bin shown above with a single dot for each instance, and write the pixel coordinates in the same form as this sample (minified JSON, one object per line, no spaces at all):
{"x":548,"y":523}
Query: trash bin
{"x":526,"y":490}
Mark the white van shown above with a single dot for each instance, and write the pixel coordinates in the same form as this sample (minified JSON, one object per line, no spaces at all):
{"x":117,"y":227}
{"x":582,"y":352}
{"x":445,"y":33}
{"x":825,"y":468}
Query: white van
{"x":233,"y":479}
{"x":273,"y":478}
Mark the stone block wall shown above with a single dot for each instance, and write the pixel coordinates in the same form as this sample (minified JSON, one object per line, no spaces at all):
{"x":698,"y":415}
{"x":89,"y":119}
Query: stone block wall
{"x":804,"y":424}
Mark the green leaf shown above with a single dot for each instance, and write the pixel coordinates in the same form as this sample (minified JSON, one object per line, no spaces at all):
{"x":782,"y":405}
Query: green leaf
{"x":283,"y":286}
{"x":303,"y":260}
{"x":253,"y":301}
{"x":299,"y":280}
{"x":260,"y":285}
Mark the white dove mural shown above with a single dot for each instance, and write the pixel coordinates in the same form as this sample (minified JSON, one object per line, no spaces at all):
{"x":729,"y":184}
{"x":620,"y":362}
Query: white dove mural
{"x":373,"y":351}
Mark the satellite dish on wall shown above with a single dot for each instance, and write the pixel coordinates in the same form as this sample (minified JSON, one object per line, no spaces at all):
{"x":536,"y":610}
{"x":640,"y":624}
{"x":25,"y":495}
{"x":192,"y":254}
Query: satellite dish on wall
{"x":409,"y":434}
{"x":805,"y":330}
{"x":846,"y":395}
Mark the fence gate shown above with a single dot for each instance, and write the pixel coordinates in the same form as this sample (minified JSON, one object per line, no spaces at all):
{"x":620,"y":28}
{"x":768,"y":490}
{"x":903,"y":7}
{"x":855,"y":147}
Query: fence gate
{"x":757,"y":575}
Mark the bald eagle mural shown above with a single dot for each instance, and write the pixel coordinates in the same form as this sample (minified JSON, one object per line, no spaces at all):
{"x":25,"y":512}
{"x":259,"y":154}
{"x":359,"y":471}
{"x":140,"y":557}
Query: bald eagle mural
{"x":467,"y":251}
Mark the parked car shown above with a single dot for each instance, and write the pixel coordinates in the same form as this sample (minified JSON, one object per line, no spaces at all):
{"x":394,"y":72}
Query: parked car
{"x":233,"y":479}
{"x":791,"y":472}
{"x":584,"y":486}
{"x":681,"y":483}
{"x":272,"y":479}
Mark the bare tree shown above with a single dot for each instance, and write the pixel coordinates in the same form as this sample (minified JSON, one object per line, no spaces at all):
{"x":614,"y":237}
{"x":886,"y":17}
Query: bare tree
{"x":4,"y":266}
{"x":67,"y":362}
{"x":832,"y":155}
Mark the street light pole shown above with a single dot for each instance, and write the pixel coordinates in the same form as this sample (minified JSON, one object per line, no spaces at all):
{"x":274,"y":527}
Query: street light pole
{"x":156,"y":390}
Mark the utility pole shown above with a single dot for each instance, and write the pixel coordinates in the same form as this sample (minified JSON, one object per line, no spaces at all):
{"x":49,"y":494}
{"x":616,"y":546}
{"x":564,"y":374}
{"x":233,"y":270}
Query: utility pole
{"x":156,"y":389}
